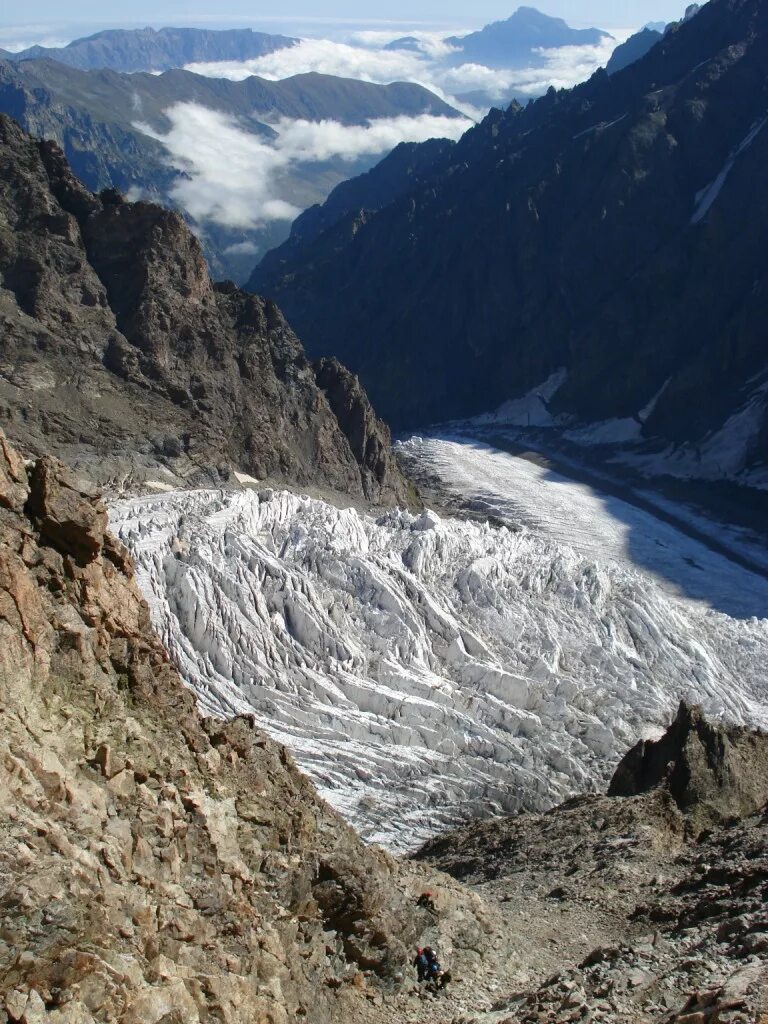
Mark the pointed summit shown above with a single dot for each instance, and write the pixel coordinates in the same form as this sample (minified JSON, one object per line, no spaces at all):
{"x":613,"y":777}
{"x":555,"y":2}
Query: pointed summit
{"x":515,"y":42}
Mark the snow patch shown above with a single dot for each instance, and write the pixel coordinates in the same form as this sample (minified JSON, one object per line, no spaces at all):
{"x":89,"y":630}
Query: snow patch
{"x":532,"y":410}
{"x":617,"y":431}
{"x":722,"y":454}
{"x":246,"y":480}
{"x":706,"y":198}
{"x":603,"y":126}
{"x":157,"y":485}
{"x":647,"y":411}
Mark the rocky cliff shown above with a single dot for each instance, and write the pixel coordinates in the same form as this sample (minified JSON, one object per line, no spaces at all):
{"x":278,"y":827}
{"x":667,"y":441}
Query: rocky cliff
{"x":712,"y":771}
{"x":119,"y":353}
{"x":614,"y":230}
{"x":155,"y":866}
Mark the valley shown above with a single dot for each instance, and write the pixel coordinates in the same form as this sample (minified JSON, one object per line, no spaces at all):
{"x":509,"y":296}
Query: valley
{"x":303,"y":725}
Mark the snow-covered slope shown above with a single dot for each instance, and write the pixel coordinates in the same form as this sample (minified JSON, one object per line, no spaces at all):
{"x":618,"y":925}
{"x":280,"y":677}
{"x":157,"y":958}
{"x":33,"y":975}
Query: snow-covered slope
{"x":527,"y":491}
{"x":423,"y":670}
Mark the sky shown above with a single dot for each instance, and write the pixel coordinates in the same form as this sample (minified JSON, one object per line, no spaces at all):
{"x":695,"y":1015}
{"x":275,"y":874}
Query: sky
{"x":47,"y":14}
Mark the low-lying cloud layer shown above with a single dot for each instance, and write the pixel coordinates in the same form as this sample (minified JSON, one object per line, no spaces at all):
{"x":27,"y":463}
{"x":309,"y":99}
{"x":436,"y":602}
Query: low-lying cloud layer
{"x":365,"y":57}
{"x":236,"y":179}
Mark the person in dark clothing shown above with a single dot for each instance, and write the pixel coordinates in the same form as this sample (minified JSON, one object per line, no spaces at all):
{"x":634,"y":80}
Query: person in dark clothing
{"x":433,"y":965}
{"x":436,"y":977}
{"x":421,"y":963}
{"x":426,"y":902}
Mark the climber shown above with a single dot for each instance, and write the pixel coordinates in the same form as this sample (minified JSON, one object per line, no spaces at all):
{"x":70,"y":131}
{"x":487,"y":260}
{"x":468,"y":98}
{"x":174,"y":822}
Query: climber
{"x":421,"y":963}
{"x":437,"y":978}
{"x":427,"y":902}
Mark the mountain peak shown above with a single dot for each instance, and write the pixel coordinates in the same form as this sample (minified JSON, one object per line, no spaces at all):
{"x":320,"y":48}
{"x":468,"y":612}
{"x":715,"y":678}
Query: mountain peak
{"x":516,"y":41}
{"x":533,"y":16}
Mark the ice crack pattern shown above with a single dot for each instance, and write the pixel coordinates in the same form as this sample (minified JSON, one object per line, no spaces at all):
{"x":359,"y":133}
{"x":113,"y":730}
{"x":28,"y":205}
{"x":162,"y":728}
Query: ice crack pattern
{"x":424,"y":670}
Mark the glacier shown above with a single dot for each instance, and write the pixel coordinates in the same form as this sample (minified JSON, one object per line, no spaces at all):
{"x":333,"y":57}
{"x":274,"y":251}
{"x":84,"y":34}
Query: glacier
{"x":426,"y":670}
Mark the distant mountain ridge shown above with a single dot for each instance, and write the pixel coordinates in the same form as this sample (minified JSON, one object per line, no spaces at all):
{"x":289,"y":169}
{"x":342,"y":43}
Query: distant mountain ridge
{"x":613,"y":230}
{"x":643,"y":41}
{"x":98,"y":116}
{"x":149,"y":49}
{"x":633,"y":49}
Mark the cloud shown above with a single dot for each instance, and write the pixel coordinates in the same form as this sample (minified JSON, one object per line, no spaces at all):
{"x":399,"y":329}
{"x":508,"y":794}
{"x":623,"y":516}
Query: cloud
{"x":312,"y":141}
{"x":15,"y":44}
{"x":567,"y":66}
{"x":242,"y":249}
{"x":325,"y":56}
{"x":363,"y":57}
{"x":236,"y":179}
{"x":431,"y":44}
{"x":228,"y":172}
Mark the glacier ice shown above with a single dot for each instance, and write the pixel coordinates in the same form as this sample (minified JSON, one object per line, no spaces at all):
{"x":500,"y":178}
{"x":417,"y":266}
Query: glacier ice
{"x":425,"y":670}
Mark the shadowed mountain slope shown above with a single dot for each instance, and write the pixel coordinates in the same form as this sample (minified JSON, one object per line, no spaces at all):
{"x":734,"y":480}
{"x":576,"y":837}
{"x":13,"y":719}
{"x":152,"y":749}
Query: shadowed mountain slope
{"x":615,"y":230}
{"x":635,"y":47}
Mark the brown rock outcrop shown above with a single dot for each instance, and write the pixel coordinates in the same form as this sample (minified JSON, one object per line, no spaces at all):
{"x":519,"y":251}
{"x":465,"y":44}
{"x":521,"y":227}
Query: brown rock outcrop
{"x":645,"y":906}
{"x":68,"y":518}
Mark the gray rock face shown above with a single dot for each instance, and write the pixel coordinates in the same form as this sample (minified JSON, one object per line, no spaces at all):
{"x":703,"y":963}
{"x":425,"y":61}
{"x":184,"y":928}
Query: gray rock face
{"x":118,"y":351}
{"x":369,"y":439}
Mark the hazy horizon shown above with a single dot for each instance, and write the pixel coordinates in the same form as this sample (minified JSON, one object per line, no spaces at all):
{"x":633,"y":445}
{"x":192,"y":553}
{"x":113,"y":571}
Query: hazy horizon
{"x":41,"y":21}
